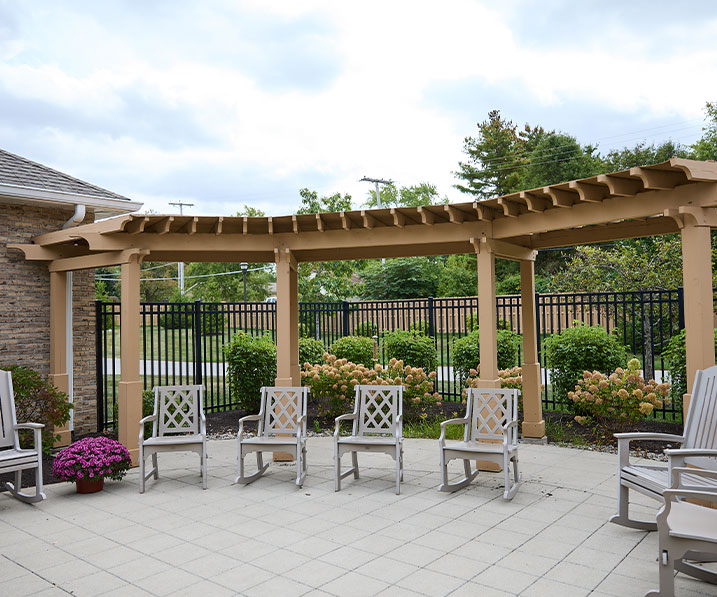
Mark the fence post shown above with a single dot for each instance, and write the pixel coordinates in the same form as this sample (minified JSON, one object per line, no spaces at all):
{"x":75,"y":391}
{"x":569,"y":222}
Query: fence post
{"x":197,"y":342}
{"x":99,"y":336}
{"x":431,"y":318}
{"x":681,"y":307}
{"x":345,"y":318}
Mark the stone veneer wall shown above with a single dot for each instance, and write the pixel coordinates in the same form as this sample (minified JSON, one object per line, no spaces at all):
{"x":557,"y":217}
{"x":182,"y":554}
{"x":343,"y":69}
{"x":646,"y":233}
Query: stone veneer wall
{"x":25,"y":306}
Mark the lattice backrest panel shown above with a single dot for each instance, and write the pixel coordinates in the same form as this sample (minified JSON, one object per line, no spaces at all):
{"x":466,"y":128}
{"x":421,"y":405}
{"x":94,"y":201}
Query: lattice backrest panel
{"x":379,"y":407}
{"x":491,"y":409}
{"x":283,"y":407}
{"x":7,"y":411}
{"x":179,"y":408}
{"x":701,"y":424}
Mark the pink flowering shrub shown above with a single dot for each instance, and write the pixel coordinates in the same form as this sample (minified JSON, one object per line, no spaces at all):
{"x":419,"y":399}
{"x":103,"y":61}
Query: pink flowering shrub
{"x":332,"y":383}
{"x":623,"y":397}
{"x":91,"y":458}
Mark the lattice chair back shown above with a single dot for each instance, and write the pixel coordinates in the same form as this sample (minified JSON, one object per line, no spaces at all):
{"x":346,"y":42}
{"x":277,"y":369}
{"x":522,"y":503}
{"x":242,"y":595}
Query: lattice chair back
{"x":283,"y":408}
{"x":379,"y":410}
{"x":701,"y":424}
{"x":178,"y":409}
{"x":8,"y":435}
{"x":491,"y":409}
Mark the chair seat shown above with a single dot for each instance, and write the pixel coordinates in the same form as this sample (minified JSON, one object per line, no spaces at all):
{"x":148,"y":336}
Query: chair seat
{"x":691,"y":521}
{"x":372,"y":440}
{"x":656,"y":478}
{"x":479,"y":447}
{"x":166,"y":440}
{"x":14,"y":458}
{"x":271,"y":439}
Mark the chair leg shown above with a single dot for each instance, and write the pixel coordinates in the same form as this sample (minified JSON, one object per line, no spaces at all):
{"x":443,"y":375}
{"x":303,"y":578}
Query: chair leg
{"x":689,"y":564}
{"x":141,"y":470}
{"x":15,"y":489}
{"x":337,"y":470}
{"x":155,"y":466}
{"x":398,"y":470}
{"x":401,"y":463}
{"x":622,"y":517}
{"x":667,"y":576}
{"x":509,"y":491}
{"x":354,"y":461}
{"x":243,"y":479}
{"x":466,"y":480}
{"x":204,"y":466}
{"x":300,"y":465}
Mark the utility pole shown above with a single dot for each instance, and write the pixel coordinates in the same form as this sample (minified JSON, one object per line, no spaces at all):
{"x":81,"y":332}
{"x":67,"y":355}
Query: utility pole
{"x":377,"y":182}
{"x":180,"y":265}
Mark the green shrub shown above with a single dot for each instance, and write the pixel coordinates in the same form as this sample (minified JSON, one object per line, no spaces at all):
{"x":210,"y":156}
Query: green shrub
{"x":413,"y":348}
{"x":147,"y":409}
{"x":466,"y":352}
{"x":310,"y":351}
{"x":419,"y":327}
{"x":472,"y":322}
{"x":38,"y":401}
{"x":251,"y":364}
{"x":307,"y":324}
{"x":366,"y":328}
{"x":577,"y":349}
{"x":356,"y":349}
{"x":676,"y":356}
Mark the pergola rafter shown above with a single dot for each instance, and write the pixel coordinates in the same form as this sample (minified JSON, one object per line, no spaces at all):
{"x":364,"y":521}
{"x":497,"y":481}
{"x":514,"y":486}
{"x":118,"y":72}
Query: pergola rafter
{"x":674,"y":196}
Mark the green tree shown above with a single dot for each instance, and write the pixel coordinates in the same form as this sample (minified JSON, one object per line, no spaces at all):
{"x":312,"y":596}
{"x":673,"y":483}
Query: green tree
{"x":458,"y":276}
{"x":405,"y":277}
{"x":413,"y":196}
{"x":496,"y":157}
{"x":326,"y":280}
{"x":642,"y":155}
{"x":558,"y":158}
{"x":706,"y":147}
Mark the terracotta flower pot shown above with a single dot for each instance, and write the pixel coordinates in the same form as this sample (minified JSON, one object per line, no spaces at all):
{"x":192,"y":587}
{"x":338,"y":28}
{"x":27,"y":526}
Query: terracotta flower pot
{"x":90,"y":485}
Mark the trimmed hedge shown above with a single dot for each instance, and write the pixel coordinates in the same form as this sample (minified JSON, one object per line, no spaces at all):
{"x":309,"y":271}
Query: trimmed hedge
{"x":357,"y":349}
{"x":676,"y":356}
{"x":251,"y":364}
{"x":413,"y":348}
{"x":466,"y":351}
{"x":310,"y":351}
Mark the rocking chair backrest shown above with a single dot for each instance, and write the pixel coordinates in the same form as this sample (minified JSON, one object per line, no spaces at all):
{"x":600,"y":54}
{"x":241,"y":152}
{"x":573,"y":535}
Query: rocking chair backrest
{"x":701,"y":423}
{"x":8,"y":434}
{"x":378,"y":410}
{"x":178,"y":409}
{"x":491,"y":409}
{"x":283,"y":407}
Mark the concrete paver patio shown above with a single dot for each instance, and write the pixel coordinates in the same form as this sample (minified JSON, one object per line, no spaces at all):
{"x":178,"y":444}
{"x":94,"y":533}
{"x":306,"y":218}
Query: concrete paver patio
{"x":271,"y":538}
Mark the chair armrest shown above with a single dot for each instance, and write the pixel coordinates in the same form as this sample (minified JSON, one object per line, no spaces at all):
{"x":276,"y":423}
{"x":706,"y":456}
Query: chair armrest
{"x":676,"y":457}
{"x":671,"y":495}
{"x":147,"y":419}
{"x":444,"y":424}
{"x":506,"y":429}
{"x":700,"y":472}
{"x":340,"y":418}
{"x":29,"y":426}
{"x":245,"y":419}
{"x":624,"y":439}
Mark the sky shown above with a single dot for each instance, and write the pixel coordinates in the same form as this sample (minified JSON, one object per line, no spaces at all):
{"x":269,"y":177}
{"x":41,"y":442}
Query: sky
{"x":229,"y":103}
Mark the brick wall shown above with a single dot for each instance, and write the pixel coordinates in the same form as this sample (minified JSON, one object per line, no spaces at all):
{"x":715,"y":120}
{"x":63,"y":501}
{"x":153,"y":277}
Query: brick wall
{"x":25,"y":306}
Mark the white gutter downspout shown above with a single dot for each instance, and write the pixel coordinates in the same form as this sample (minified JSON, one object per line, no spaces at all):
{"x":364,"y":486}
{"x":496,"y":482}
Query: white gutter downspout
{"x":76,"y":219}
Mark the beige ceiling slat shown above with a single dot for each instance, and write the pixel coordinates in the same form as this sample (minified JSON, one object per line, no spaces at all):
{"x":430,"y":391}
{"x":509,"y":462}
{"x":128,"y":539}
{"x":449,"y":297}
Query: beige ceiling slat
{"x":218,"y":225}
{"x":270,"y":225}
{"x":535,"y":203}
{"x":560,"y":197}
{"x":621,"y":187}
{"x":192,"y":226}
{"x":345,"y":221}
{"x":319,"y":223}
{"x":590,"y":193}
{"x":295,"y":224}
{"x":136,"y":225}
{"x":399,"y":219}
{"x":456,"y":216}
{"x":510,"y":208}
{"x":369,"y":221}
{"x":659,"y":180}
{"x":485,"y":213}
{"x":160,"y":226}
{"x":427,"y":217}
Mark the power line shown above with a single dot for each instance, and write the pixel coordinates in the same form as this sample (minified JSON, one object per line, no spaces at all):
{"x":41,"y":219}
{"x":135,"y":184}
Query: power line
{"x":253,"y":269}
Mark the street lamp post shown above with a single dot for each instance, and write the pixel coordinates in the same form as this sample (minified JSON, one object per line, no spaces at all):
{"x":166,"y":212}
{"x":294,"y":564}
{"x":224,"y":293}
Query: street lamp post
{"x":244,"y":267}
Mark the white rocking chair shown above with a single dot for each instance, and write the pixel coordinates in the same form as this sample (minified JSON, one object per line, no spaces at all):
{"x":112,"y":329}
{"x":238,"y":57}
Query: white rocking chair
{"x":13,"y":459}
{"x":491,"y":414}
{"x":698,"y":448}
{"x":377,"y":427}
{"x":282,"y":428}
{"x":686,"y":531}
{"x":178,"y":425}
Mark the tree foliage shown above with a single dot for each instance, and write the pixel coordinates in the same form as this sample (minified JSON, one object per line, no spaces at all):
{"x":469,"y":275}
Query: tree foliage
{"x":412,"y":196}
{"x":706,"y":147}
{"x":405,"y":277}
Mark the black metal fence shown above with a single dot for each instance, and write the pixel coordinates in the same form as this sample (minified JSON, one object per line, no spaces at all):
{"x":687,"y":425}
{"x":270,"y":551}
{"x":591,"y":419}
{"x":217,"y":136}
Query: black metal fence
{"x":182,"y":342}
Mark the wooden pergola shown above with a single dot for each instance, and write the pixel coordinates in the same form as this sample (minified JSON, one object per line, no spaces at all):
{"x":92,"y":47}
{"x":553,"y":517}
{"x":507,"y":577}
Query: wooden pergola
{"x":674,"y":196}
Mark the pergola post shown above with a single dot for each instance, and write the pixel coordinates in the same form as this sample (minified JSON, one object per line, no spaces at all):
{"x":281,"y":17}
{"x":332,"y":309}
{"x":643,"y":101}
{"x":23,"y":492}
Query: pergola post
{"x":288,"y":371}
{"x":699,"y":311}
{"x":130,"y":386}
{"x":487,"y":316}
{"x":533,"y":423}
{"x":59,"y":376}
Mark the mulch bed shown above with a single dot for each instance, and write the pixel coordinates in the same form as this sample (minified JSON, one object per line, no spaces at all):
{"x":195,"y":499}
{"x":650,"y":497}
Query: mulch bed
{"x":227,"y":422}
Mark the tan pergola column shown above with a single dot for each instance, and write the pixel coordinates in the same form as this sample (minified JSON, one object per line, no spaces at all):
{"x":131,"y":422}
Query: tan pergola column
{"x":533,"y":423}
{"x":130,"y":386}
{"x":59,"y":376}
{"x":487,"y":316}
{"x":288,"y":370}
{"x":699,"y":312}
